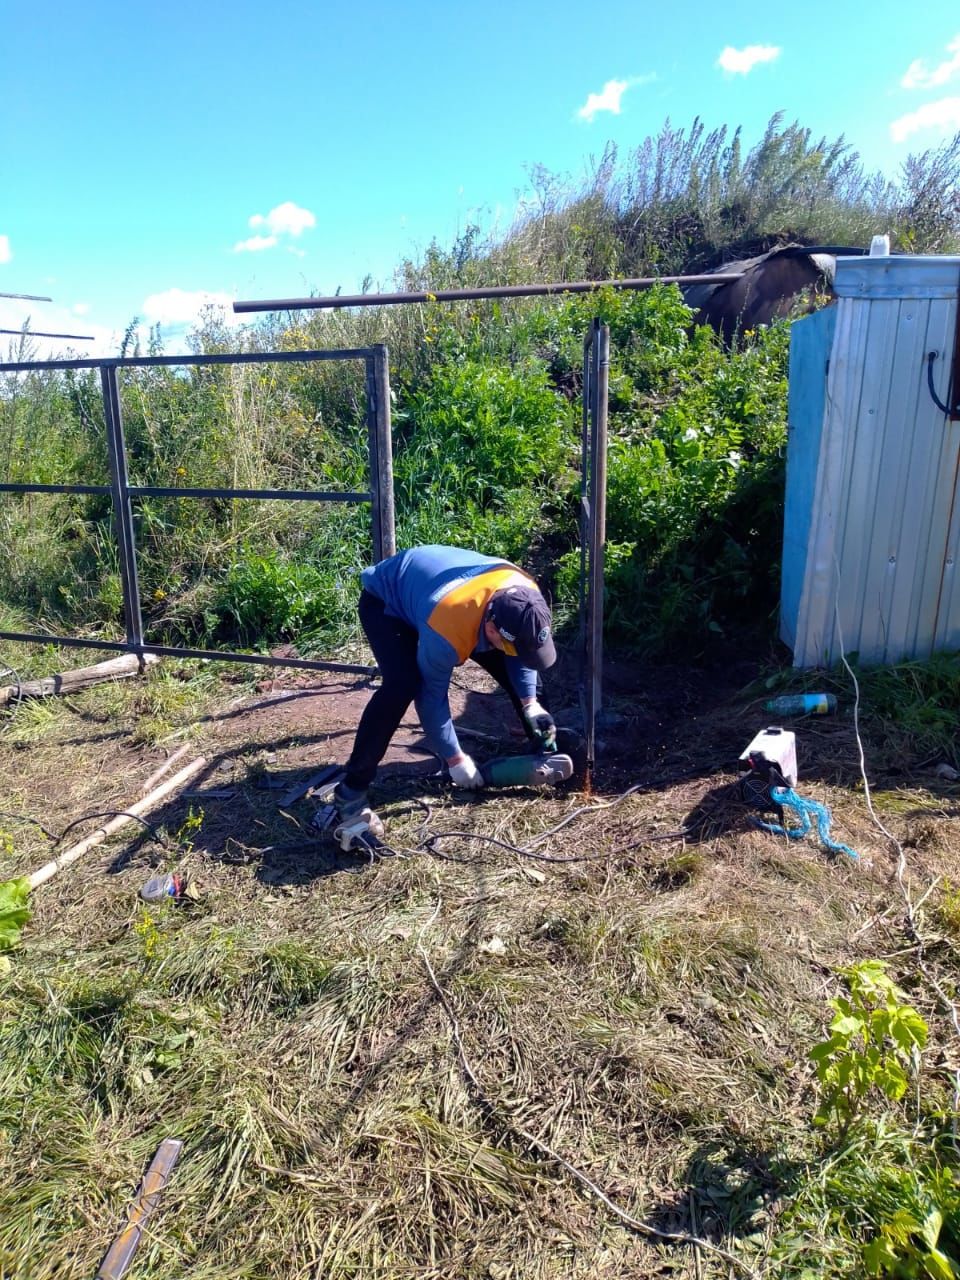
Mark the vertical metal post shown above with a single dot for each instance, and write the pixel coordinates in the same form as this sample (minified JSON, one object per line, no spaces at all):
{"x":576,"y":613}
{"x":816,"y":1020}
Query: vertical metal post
{"x":584,"y":599}
{"x":122,"y":511}
{"x":593,"y":522}
{"x":381,"y":453}
{"x":598,"y":517}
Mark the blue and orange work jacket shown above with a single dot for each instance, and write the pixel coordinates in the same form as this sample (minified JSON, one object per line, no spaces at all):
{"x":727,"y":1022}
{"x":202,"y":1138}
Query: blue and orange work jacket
{"x":443,"y":593}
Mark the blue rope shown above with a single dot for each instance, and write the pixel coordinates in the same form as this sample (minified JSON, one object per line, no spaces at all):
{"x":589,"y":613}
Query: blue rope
{"x":808,"y":812}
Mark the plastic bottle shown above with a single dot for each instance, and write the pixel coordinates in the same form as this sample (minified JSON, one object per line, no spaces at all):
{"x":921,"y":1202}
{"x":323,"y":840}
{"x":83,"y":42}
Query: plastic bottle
{"x":159,"y":887}
{"x":802,"y":704}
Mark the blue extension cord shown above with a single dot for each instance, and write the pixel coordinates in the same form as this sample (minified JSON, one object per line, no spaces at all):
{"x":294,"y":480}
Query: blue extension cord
{"x":808,"y":812}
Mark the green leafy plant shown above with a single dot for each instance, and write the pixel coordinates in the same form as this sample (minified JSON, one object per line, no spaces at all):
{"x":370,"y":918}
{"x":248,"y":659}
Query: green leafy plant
{"x":921,"y":1236}
{"x":875,"y":1039}
{"x":269,"y":597}
{"x":14,"y":911}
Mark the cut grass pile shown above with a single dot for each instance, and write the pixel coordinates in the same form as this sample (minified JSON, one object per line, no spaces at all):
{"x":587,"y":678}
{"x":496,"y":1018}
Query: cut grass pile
{"x":645,"y":1012}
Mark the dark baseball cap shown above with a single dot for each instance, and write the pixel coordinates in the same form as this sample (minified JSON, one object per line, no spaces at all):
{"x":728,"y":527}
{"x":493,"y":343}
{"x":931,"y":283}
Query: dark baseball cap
{"x":523,"y":618}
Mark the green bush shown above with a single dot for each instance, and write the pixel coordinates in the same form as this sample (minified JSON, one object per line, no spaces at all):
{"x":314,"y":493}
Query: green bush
{"x":266,"y":598}
{"x":479,"y":452}
{"x":486,"y":413}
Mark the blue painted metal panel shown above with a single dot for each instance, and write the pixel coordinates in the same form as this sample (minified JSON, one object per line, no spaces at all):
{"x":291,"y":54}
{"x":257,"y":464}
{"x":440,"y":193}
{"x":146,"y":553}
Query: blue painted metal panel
{"x":897,"y":276}
{"x":882,"y":532}
{"x":810,"y":342}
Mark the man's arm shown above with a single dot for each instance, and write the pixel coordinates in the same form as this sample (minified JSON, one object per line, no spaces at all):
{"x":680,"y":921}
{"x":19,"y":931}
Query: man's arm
{"x":540,"y":721}
{"x":523,"y":679}
{"x":436,"y":660}
{"x":433,"y":708}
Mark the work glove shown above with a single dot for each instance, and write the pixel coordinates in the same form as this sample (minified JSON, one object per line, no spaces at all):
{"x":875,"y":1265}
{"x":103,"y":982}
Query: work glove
{"x":466,"y":774}
{"x":541,"y":725}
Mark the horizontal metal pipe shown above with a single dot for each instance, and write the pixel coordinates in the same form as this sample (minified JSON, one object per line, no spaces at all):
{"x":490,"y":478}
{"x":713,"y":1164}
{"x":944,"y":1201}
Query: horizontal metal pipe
{"x":161,"y":491}
{"x":288,"y":495}
{"x":457,"y":295}
{"x":54,"y":488}
{"x":239,"y":357}
{"x":26,"y":297}
{"x":170,"y":651}
{"x":36,"y":333}
{"x":258,"y":659}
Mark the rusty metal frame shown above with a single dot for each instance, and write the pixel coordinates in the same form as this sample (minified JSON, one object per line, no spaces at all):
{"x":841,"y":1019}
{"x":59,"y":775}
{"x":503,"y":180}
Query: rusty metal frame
{"x":554,"y":289}
{"x":123,"y":493}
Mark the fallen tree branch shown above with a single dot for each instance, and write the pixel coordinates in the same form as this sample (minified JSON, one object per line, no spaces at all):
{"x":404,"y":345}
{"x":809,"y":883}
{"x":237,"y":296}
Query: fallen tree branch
{"x":130,"y":664}
{"x":50,"y":869}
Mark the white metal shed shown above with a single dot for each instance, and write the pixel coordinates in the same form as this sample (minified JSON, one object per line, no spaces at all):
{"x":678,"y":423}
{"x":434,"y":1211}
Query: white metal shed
{"x":872,"y":518}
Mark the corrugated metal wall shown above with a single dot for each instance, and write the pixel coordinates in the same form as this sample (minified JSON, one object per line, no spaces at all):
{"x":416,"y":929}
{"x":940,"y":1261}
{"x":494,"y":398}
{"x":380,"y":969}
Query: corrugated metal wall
{"x":881,"y":543}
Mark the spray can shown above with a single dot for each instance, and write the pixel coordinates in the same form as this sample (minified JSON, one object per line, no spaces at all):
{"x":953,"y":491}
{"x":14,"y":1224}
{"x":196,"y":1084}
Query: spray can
{"x":160,"y":887}
{"x":802,"y":704}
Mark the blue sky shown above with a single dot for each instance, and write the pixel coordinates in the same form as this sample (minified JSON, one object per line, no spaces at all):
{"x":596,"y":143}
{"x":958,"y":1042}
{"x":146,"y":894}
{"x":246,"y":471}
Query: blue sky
{"x":154,"y":156}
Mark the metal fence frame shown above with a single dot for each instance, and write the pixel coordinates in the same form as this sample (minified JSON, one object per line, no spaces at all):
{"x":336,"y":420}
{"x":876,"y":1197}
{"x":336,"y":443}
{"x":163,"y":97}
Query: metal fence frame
{"x":593,"y":524}
{"x":379,"y":495}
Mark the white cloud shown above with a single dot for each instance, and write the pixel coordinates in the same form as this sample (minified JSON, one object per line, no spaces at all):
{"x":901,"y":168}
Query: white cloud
{"x":80,"y":308}
{"x":608,"y":99}
{"x":255,"y":244}
{"x":610,"y":96}
{"x":6,"y":253}
{"x":738,"y":62}
{"x":917,"y":76}
{"x":942,"y":116}
{"x":287,"y":219}
{"x":178,"y":307}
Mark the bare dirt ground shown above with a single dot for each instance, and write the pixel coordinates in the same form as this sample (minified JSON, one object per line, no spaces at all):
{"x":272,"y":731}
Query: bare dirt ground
{"x":641,"y":1002}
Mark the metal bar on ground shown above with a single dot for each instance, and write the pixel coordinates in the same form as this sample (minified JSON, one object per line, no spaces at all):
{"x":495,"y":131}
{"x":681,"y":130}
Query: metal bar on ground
{"x":300,"y":789}
{"x":146,"y":362}
{"x":120,"y":1254}
{"x":122,"y":509}
{"x":458,"y":295}
{"x":170,"y":651}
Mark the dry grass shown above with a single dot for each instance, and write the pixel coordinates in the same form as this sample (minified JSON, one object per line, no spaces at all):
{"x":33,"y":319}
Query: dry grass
{"x":645,"y":1013}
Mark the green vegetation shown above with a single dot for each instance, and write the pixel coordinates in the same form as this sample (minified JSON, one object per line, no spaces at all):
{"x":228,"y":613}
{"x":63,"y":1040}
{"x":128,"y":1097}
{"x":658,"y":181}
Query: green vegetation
{"x":885,"y":1193}
{"x":874,"y":1041}
{"x":486,"y":449}
{"x":647,"y":1009}
{"x":486,"y":416}
{"x":14,"y":912}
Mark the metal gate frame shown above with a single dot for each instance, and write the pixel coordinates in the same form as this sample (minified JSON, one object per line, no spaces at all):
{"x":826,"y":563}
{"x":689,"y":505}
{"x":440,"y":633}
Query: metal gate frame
{"x":593,"y":525}
{"x":380,"y":494}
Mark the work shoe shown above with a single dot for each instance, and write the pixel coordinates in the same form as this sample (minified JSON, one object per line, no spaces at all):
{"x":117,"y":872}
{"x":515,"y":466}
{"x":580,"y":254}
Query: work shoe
{"x":349,"y":801}
{"x":363,"y":830}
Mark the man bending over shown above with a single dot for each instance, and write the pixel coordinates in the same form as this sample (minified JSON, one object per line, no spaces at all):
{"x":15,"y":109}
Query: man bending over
{"x":425,"y":612}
